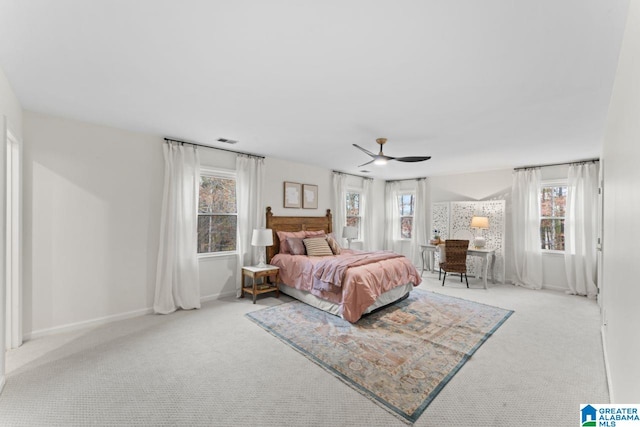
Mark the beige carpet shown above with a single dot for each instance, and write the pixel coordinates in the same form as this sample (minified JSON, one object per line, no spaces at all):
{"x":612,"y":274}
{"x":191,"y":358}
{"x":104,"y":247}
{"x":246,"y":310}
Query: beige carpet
{"x":215,"y":367}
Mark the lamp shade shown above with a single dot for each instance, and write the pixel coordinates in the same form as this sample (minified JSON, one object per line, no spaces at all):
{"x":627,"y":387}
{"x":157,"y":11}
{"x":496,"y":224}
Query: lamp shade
{"x":350,"y":232}
{"x":480,"y":222}
{"x":262,"y":237}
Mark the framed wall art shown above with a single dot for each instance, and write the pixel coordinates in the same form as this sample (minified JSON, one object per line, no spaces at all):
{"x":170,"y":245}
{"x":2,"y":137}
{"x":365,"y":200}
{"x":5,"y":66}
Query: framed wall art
{"x":309,"y":196}
{"x":292,"y":195}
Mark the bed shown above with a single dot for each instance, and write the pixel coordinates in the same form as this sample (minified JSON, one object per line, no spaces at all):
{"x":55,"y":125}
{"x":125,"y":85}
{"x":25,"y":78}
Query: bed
{"x":348,"y":285}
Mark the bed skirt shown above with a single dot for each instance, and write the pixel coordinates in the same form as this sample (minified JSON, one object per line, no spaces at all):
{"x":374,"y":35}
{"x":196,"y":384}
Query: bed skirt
{"x":386,"y":298}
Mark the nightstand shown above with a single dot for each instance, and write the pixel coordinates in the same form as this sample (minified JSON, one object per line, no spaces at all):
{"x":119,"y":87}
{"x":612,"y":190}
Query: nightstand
{"x":257,"y":272}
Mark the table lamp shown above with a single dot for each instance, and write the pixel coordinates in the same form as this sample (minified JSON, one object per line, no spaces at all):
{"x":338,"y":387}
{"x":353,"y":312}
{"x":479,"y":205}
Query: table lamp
{"x":350,"y":233}
{"x":480,"y":223}
{"x":262,"y":237}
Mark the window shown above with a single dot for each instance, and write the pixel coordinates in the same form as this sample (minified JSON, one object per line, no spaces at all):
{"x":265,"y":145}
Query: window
{"x":217,"y":213}
{"x":406,"y":204}
{"x":553,"y":199}
{"x":354,"y":218}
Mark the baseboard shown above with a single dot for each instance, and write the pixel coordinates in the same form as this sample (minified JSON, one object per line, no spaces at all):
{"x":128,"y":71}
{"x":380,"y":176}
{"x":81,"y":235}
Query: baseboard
{"x":607,"y":371}
{"x":218,"y":296}
{"x":108,"y":319}
{"x":555,"y":288}
{"x":87,"y":323}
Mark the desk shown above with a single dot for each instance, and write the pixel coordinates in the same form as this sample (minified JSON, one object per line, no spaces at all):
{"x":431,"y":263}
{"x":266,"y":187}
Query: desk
{"x":428,"y":252}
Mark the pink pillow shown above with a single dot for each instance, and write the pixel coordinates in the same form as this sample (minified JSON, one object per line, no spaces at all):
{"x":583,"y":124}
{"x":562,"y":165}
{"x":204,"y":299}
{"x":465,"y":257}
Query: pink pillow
{"x":283,"y":235}
{"x":314,"y":233}
{"x":296,"y":247}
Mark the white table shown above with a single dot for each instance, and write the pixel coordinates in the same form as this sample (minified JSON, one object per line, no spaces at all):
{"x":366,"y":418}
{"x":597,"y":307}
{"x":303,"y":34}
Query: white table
{"x":428,"y":252}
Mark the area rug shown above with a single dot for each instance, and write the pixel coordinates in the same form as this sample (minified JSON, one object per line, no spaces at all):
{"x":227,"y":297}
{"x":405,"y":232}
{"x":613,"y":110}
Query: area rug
{"x":401,"y":356}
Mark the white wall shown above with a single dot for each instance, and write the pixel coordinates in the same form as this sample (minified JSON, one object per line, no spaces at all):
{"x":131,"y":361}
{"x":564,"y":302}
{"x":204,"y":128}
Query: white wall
{"x":9,"y":105}
{"x":10,"y":109}
{"x":278,"y":171}
{"x":620,"y":289}
{"x":476,"y":186}
{"x":92,"y":198}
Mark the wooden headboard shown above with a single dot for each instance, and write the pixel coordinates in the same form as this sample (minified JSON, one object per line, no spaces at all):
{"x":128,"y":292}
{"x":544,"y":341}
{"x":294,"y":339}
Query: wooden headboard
{"x":294,"y":223}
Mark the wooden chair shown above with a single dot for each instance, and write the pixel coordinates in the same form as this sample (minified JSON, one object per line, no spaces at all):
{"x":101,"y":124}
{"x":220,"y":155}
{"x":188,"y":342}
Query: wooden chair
{"x":455,"y":259}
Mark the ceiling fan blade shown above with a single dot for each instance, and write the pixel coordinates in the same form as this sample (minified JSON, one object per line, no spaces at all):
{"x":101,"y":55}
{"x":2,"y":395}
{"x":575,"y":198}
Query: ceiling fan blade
{"x":366,"y":151}
{"x":413,"y":159}
{"x":364,"y":164}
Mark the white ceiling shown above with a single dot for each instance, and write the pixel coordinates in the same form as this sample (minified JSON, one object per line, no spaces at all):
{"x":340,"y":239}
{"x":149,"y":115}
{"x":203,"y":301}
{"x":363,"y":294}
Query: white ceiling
{"x":477,"y":85}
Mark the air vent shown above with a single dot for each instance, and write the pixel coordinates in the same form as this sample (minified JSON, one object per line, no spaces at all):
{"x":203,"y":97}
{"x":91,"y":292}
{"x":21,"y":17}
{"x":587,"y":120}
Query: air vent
{"x":227,"y":141}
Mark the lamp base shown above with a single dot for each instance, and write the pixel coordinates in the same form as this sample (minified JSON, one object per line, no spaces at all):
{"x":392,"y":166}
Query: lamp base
{"x":479,"y":242}
{"x":261,"y":263}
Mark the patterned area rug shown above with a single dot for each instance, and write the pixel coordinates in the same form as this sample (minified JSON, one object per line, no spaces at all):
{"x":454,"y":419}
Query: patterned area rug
{"x":401,"y":356}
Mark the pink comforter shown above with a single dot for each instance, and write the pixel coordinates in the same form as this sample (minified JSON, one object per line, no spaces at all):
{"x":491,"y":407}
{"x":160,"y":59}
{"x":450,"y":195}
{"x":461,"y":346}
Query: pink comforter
{"x":330,"y":271}
{"x":360,"y":285}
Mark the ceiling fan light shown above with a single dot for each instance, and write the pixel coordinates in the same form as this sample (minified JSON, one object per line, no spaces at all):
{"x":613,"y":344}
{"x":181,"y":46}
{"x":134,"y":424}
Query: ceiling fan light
{"x":380,"y":162}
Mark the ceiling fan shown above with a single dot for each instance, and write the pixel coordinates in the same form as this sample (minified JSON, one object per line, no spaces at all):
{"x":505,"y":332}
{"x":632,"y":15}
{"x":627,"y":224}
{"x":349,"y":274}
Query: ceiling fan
{"x":381,"y":159}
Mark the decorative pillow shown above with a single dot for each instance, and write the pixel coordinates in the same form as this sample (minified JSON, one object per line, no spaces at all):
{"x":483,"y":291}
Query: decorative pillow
{"x":317,"y":246}
{"x":282,"y":236}
{"x":334,"y":245}
{"x":296,"y":247}
{"x":317,"y":233}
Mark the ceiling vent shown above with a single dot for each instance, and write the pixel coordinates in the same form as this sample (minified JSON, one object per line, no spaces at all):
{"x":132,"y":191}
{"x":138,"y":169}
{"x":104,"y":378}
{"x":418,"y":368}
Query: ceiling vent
{"x":227,"y":141}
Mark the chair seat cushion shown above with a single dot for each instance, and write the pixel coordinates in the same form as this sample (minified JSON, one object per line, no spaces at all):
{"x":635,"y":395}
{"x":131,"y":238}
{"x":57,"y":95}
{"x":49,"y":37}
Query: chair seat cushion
{"x":451,"y":267}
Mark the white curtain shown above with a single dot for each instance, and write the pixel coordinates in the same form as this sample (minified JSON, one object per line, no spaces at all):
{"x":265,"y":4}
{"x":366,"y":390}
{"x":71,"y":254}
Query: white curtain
{"x":367,"y":220}
{"x":177,"y":277}
{"x":580,"y":229}
{"x":392,"y":240}
{"x":251,"y":214}
{"x":527,"y":248}
{"x":339,"y":196}
{"x":420,"y":234}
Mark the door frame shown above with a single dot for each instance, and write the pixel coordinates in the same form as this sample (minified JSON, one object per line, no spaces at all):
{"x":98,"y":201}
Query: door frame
{"x":13,"y":230}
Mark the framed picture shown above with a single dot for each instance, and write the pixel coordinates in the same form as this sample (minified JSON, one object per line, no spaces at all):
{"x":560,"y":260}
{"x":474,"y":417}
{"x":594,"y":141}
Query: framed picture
{"x":292,"y":195}
{"x":309,"y":196}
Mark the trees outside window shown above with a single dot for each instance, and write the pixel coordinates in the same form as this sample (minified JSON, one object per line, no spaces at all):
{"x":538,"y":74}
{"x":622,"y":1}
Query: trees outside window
{"x":406,"y":202}
{"x":354,"y":217}
{"x":553,"y":200}
{"x":217,"y":214}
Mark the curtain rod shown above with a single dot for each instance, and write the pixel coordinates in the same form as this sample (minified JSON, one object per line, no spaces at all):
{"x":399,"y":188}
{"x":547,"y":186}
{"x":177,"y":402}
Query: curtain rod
{"x":215,"y":148}
{"x":350,"y":174}
{"x":407,"y":179}
{"x":577,"y":162}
